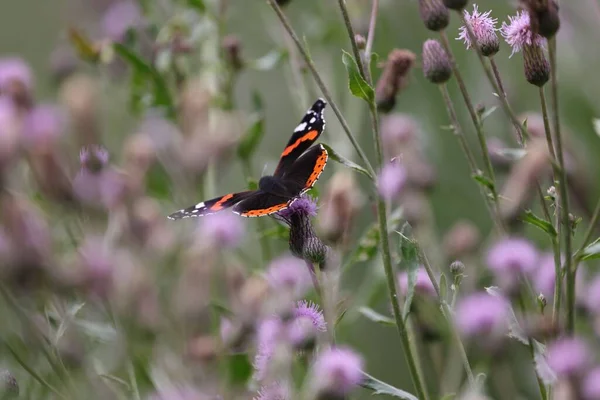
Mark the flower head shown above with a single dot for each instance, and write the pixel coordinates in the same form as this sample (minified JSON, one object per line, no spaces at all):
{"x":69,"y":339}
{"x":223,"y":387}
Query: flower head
{"x":544,"y":277}
{"x":337,"y":371}
{"x":222,"y":229}
{"x":568,"y":356}
{"x":437,"y":66}
{"x":484,"y":30}
{"x":311,"y":311}
{"x":97,"y":265}
{"x":393,"y":78}
{"x":274,"y":391}
{"x":423,"y":284}
{"x":434,"y":14}
{"x":391,"y":180}
{"x":512,"y":258}
{"x":120,"y":17}
{"x":43,"y":126}
{"x":93,"y":158}
{"x":590,"y":388}
{"x":482,"y":314}
{"x":518,"y":33}
{"x":16,"y":80}
{"x":305,"y":205}
{"x":289,"y":274}
{"x":302,"y":333}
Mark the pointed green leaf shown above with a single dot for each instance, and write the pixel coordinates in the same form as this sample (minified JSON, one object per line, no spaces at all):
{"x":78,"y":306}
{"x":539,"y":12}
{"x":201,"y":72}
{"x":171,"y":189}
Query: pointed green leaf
{"x":379,"y":387}
{"x":358,"y":86}
{"x":240,"y":368}
{"x":376,"y":317}
{"x":592,"y":251}
{"x":344,"y":161}
{"x":484,"y":181}
{"x":443,"y":287}
{"x":536,"y":221}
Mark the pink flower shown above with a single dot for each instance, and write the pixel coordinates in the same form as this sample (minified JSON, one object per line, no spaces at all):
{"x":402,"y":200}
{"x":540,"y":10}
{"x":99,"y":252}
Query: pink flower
{"x":423,"y":284}
{"x":484,"y":30}
{"x":311,"y":311}
{"x":222,"y":229}
{"x":337,"y":371}
{"x":568,"y":356}
{"x":482,"y":314}
{"x":289,"y":274}
{"x":518,"y":33}
{"x":512,"y":258}
{"x":304,"y":205}
{"x":274,"y":391}
{"x":391,"y":180}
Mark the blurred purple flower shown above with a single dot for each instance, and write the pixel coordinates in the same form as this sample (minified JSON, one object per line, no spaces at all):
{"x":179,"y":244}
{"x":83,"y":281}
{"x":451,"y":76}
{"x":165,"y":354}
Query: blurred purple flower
{"x":14,"y":72}
{"x":304,"y":205}
{"x":568,"y":356}
{"x":484,"y":30}
{"x":592,"y":300}
{"x":423,"y":284}
{"x":337,"y":371}
{"x":274,"y":391}
{"x":397,"y":129}
{"x":289,"y":274}
{"x":120,"y":17}
{"x":512,"y":258}
{"x":9,"y":130}
{"x":544,"y":276}
{"x":311,"y":311}
{"x":268,"y":331}
{"x":482,"y":314}
{"x":223,"y":229}
{"x":97,"y":265}
{"x":590,"y":388}
{"x":302,"y":332}
{"x":43,"y":126}
{"x":93,"y":157}
{"x":518,"y":33}
{"x":391,"y":180}
{"x":178,"y":393}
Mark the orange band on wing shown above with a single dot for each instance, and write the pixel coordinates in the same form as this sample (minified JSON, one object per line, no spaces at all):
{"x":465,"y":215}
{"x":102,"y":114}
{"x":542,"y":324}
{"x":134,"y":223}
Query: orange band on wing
{"x":319,"y":167}
{"x":264,"y":211}
{"x":219,"y":204}
{"x":312,"y":135}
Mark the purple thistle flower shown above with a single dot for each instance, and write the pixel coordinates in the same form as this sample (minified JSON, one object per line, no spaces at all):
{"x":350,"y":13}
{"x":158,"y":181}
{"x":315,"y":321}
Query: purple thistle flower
{"x":93,"y":157}
{"x":337,"y":371}
{"x":512,"y":258}
{"x":391,"y":180}
{"x":289,"y":274}
{"x":9,"y":130}
{"x":14,"y":72}
{"x":268,"y":334}
{"x":120,"y":17}
{"x":303,"y":205}
{"x":544,"y":276}
{"x":590,"y":388}
{"x":43,"y":126}
{"x":274,"y":391}
{"x":423,"y":284}
{"x":482,"y":314}
{"x":484,"y":30}
{"x":568,"y":357}
{"x":222,"y":229}
{"x":518,"y":33}
{"x":268,"y":331}
{"x":97,"y":265}
{"x":310,"y":310}
{"x":302,"y":332}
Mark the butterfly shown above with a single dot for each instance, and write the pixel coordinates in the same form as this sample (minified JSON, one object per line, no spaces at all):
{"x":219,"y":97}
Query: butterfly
{"x":299,"y":167}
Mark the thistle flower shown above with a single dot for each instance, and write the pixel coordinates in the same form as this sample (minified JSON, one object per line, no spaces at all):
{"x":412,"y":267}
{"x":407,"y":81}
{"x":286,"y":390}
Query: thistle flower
{"x":437,"y":66}
{"x":120,"y":17}
{"x":289,"y":274}
{"x":336,"y":372}
{"x":16,"y":81}
{"x":43,"y":126}
{"x":518,"y":33}
{"x":434,"y":14}
{"x":9,"y":132}
{"x":391,"y":180}
{"x":484,"y":30}
{"x":224,"y":229}
{"x":308,"y":309}
{"x":568,"y":357}
{"x":96,"y":266}
{"x":302,"y":333}
{"x":274,"y":391}
{"x":536,"y":66}
{"x":393,"y":78}
{"x":304,"y":205}
{"x":512,"y":258}
{"x":423,"y":285}
{"x":544,"y":16}
{"x":590,"y":387}
{"x":482,"y":314}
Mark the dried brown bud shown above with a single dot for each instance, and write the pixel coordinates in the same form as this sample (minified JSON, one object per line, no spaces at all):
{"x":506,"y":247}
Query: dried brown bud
{"x":537,"y":67}
{"x":232,"y":48}
{"x":543,"y":16}
{"x":435,"y":14}
{"x":456,"y":4}
{"x":393,"y":78}
{"x":462,"y":239}
{"x":437,"y":66}
{"x":457,"y":268}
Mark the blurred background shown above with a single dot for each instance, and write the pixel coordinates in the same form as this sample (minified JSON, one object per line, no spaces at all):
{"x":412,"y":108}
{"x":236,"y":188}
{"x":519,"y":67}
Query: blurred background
{"x":38,"y":33}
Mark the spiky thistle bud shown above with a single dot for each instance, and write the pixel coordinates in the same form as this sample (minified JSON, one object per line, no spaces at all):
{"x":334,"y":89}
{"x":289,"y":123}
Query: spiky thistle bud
{"x":544,"y":16}
{"x":434,"y":14}
{"x":393,"y":78}
{"x":456,"y":4}
{"x":536,"y":66}
{"x":457,"y":268}
{"x":437,"y":66}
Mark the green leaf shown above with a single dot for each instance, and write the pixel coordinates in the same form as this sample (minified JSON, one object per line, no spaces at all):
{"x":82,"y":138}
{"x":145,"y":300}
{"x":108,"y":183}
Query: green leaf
{"x":534,"y":220}
{"x":379,"y":387}
{"x":255,"y":133}
{"x":252,"y":184}
{"x":367,"y":245}
{"x":344,"y":161}
{"x":376,"y":317}
{"x":592,"y":251}
{"x":197,"y":5}
{"x":484,"y":181}
{"x":269,"y":61}
{"x":240,"y":368}
{"x":161,"y":96}
{"x":158,"y":182}
{"x":410,"y":262}
{"x":358,"y":86}
{"x":486,"y":113}
{"x":443,"y":287}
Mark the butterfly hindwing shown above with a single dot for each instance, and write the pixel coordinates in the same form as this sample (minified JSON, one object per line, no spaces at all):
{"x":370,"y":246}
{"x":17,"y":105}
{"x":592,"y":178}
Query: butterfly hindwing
{"x":260,"y":204}
{"x":307,"y":169}
{"x":211,"y":206}
{"x":305,"y":134}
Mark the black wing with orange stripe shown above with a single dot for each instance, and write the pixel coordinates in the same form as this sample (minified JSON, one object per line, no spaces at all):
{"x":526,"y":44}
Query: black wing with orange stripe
{"x":260,"y":204}
{"x":306,"y":170}
{"x":212,"y":206}
{"x":305,"y":134}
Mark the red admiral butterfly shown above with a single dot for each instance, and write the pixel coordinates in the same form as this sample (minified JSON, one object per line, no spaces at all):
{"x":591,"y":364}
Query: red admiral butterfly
{"x":299,"y":168}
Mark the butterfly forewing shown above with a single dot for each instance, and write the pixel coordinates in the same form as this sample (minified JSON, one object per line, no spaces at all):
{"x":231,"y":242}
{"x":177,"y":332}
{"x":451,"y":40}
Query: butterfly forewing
{"x":211,"y":206}
{"x":261,"y":204}
{"x":305,"y":134}
{"x":305,"y":172}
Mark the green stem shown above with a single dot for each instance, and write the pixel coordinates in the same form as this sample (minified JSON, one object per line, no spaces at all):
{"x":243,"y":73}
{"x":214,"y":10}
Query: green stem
{"x":564,"y":196}
{"x":321,"y":84}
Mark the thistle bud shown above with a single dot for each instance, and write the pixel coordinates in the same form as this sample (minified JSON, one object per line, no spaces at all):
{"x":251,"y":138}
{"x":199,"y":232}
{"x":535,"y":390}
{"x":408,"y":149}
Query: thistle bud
{"x":456,"y":4}
{"x":16,"y":81}
{"x":393,"y":78}
{"x":544,"y":16}
{"x":435,"y":14}
{"x":537,"y":67}
{"x":437,"y":66}
{"x":232,"y":47}
{"x":457,"y":268}
{"x":361,"y":43}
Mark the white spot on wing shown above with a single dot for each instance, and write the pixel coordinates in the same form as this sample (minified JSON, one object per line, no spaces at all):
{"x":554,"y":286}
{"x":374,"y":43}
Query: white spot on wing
{"x":200,"y":205}
{"x":300,"y":127}
{"x":312,"y":120}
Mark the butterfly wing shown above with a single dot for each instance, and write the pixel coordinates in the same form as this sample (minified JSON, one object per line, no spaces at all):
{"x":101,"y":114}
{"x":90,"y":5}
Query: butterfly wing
{"x":305,"y":134}
{"x":260,"y":204}
{"x":211,"y":206}
{"x":305,"y":172}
